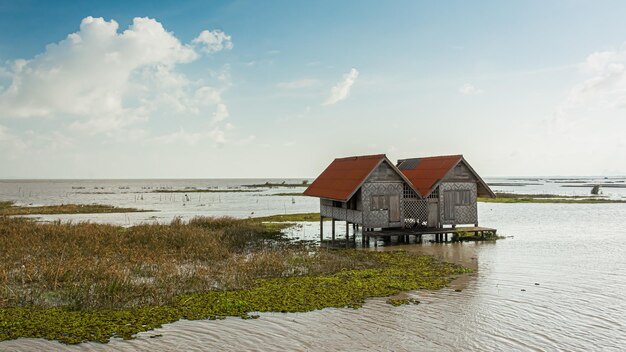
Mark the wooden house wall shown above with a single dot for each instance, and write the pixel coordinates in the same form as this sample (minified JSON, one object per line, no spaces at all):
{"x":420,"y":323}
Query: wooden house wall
{"x":463,"y":214}
{"x":380,"y":218}
{"x":461,"y":173}
{"x":384,"y":173}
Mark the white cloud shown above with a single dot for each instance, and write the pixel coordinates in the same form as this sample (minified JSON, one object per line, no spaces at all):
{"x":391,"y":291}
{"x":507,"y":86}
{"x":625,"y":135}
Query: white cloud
{"x":221,"y":113}
{"x":468,"y":89}
{"x":341,"y":90}
{"x":10,"y":142}
{"x":297,"y":84}
{"x":606,"y":85}
{"x":216,"y":135}
{"x":104,"y":80}
{"x":213,"y":41}
{"x":602,"y":92}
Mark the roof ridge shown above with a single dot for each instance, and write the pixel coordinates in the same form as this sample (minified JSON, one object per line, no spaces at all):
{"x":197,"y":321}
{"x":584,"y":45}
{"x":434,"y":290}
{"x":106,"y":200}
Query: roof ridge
{"x":436,"y":156}
{"x":369,"y":156}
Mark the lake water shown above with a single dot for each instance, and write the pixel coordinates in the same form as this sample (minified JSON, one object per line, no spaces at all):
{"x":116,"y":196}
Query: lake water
{"x":556,"y":283}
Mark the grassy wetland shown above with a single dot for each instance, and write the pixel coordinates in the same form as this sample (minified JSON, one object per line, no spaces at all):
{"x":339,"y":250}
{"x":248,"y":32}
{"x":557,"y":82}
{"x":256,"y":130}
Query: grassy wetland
{"x":547,"y":198}
{"x":8,"y":208}
{"x":91,"y":282}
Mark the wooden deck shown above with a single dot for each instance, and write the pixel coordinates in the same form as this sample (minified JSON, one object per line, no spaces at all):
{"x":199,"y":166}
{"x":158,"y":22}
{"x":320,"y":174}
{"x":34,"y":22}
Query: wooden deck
{"x":440,"y":234}
{"x":404,"y":235}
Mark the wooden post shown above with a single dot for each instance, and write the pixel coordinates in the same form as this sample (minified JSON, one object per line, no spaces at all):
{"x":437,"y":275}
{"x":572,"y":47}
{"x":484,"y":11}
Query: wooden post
{"x":321,"y":230}
{"x":347,"y":233}
{"x":446,"y":237}
{"x":333,"y":233}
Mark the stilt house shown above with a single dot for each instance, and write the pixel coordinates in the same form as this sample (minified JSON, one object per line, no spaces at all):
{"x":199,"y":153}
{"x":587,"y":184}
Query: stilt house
{"x":421,"y":192}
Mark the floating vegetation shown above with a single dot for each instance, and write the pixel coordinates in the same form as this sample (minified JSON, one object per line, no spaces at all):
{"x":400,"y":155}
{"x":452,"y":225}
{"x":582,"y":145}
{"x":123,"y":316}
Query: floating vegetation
{"x":514,"y":184}
{"x":9,"y":209}
{"x":294,"y":194}
{"x":551,"y":199}
{"x":276,"y":184}
{"x":91,"y":282}
{"x":616,"y":184}
{"x":402,"y":301}
{"x":300,"y":217}
{"x":476,"y":236}
{"x":203,"y":190}
{"x":520,"y":195}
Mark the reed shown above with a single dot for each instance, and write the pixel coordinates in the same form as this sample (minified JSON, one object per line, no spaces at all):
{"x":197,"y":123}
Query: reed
{"x":90,"y":282}
{"x":86,"y":265}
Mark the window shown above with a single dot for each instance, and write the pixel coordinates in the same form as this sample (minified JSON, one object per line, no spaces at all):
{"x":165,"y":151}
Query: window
{"x":379,"y":203}
{"x":463,"y":197}
{"x":337,"y":204}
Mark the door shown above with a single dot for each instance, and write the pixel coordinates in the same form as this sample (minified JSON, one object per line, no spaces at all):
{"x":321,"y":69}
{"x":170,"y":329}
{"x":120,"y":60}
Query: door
{"x":394,"y":208}
{"x":449,"y":203}
{"x":433,"y":213}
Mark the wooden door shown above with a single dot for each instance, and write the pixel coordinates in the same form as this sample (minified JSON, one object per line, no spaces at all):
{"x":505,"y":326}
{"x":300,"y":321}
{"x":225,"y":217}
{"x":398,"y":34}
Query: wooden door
{"x":394,"y":208}
{"x":449,"y":203}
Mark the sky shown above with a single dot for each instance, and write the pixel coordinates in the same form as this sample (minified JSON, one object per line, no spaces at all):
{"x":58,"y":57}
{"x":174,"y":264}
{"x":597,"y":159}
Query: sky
{"x":260,"y":89}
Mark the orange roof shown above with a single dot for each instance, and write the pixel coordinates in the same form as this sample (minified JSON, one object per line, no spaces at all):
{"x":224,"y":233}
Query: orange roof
{"x":343,"y":177}
{"x":425,"y":173}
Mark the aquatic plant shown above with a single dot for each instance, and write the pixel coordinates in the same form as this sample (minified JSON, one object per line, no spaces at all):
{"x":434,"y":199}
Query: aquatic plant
{"x":396,"y":302}
{"x":395,"y":272}
{"x":90,"y":282}
{"x":551,"y":200}
{"x":290,"y":217}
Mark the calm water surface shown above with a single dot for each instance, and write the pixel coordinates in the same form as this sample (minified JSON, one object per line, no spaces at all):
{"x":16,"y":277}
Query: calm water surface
{"x":558,"y":284}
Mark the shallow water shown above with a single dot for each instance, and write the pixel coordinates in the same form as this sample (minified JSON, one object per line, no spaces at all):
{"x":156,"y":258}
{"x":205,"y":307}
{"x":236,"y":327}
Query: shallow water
{"x":140,"y":194}
{"x":575,"y":252}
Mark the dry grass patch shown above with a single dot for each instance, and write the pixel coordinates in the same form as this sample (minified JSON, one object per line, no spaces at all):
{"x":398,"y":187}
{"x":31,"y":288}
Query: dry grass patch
{"x":10,"y":209}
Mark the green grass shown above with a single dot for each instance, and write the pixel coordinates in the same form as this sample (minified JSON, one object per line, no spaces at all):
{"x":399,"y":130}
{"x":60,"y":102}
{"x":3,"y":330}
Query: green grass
{"x":392,"y":273}
{"x":9,"y":209}
{"x":290,"y":217}
{"x":90,"y":282}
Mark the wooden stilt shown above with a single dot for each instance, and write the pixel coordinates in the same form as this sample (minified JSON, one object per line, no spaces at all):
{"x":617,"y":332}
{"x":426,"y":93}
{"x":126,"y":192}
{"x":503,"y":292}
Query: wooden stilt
{"x":347,"y":233}
{"x":321,"y":230}
{"x":333,"y":232}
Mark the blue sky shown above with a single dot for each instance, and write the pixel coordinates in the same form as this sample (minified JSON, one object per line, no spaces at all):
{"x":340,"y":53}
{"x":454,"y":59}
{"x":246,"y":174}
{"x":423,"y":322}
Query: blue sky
{"x":279,"y":88}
